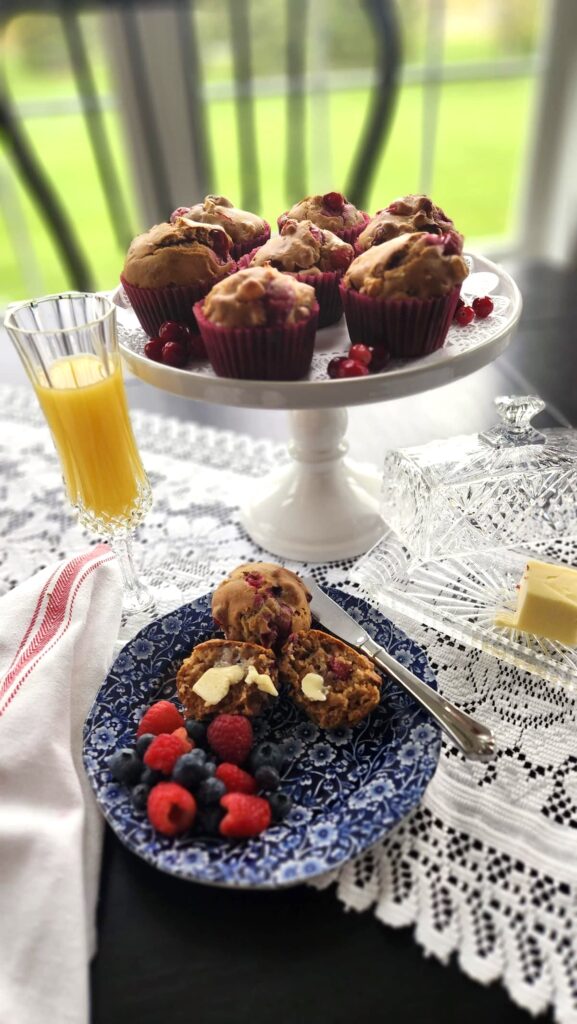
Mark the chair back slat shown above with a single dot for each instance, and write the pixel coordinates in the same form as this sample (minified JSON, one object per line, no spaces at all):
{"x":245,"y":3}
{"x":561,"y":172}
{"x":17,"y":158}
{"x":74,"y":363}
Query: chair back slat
{"x":192,"y":78}
{"x":295,"y":159}
{"x":245,"y":114}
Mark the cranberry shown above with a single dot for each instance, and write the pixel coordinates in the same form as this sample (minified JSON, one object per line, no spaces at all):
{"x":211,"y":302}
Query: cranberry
{"x":483,"y":306}
{"x":342,"y":367}
{"x":181,"y":211}
{"x":171,"y":330}
{"x":340,"y":668}
{"x":254,"y":579}
{"x":395,"y":208}
{"x":174,"y":354}
{"x":153,"y":349}
{"x":362,"y":354}
{"x":334,"y":201}
{"x":464,"y":315}
{"x":333,"y":369}
{"x":381,"y":358}
{"x":453,"y":243}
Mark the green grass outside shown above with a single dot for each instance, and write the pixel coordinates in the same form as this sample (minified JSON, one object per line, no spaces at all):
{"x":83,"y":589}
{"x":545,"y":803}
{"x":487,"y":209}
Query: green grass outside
{"x":479,"y":156}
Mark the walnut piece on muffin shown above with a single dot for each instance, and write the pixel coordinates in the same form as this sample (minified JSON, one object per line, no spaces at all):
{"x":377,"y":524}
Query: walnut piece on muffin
{"x":331,"y":211}
{"x":302,"y":247}
{"x":261,"y":602}
{"x":334,"y":684}
{"x":404,"y":216}
{"x":410,"y":266}
{"x":182,"y":253}
{"x":227,"y":677}
{"x":259,"y":297}
{"x":242,"y":226}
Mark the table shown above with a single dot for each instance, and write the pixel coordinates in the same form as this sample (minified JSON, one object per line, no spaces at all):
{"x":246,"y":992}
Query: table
{"x":171,"y":951}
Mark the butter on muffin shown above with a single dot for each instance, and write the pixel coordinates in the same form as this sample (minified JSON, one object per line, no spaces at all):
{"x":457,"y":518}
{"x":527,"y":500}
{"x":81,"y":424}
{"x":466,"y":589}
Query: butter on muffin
{"x":261,"y":602}
{"x":226,"y":677}
{"x":331,"y":211}
{"x":246,"y":230}
{"x":405,"y":216}
{"x":168,"y":268}
{"x":334,"y":684}
{"x":315,"y":256}
{"x":259,"y":324}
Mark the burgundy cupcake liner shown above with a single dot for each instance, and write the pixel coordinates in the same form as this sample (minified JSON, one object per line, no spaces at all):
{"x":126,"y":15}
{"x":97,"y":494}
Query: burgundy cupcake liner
{"x":407,"y":328}
{"x":259,"y":353}
{"x":239,"y":249}
{"x":349,"y":235}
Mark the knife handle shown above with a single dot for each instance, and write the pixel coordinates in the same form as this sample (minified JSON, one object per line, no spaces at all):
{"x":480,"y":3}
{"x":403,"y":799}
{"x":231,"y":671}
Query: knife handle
{"x":472,"y":738}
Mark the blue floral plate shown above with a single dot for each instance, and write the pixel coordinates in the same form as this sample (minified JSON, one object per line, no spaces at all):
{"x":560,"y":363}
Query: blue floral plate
{"x":349,"y":786}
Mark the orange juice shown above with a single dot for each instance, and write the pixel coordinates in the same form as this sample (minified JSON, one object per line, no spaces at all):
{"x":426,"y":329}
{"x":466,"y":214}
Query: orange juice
{"x":87,"y":414}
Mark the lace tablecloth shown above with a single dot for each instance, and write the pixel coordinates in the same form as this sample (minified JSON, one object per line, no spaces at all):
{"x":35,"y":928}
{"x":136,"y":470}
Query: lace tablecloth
{"x":486,"y":867}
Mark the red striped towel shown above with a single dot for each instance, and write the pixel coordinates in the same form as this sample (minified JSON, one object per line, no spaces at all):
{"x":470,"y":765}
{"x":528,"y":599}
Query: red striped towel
{"x":57,"y":635}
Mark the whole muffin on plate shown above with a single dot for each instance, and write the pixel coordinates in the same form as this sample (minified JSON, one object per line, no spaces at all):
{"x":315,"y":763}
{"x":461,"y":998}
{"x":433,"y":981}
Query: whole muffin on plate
{"x":261,"y":602}
{"x":259,"y":324}
{"x":401,"y":295}
{"x":315,"y":256}
{"x":246,"y":230}
{"x":403,"y":216}
{"x":226,"y":677}
{"x":331,"y":211}
{"x":168,"y":268}
{"x":332,"y":683}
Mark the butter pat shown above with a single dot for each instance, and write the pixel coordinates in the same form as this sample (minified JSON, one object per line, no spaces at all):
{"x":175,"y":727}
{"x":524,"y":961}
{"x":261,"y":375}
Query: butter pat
{"x":546,"y":604}
{"x":214,"y":684}
{"x":261,"y":680}
{"x":313,"y":686}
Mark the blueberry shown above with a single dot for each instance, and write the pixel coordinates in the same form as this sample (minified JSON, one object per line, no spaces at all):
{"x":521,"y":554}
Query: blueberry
{"x":190,"y":769}
{"x":151,"y":776}
{"x":267,"y":777}
{"x":126,"y":766}
{"x":266,"y":753}
{"x":280,"y":805}
{"x":209,"y":769}
{"x":196,"y":731}
{"x":143,"y":742}
{"x":139,"y":797}
{"x":210,"y":791}
{"x":208,"y":819}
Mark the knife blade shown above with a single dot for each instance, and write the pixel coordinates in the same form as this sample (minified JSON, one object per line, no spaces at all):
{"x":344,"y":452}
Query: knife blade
{"x":473,"y":738}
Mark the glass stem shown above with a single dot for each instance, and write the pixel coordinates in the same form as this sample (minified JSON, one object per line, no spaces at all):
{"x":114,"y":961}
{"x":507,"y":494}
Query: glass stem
{"x":137,"y":597}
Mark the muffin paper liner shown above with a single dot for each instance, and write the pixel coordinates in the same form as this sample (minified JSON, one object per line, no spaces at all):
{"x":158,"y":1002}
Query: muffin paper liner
{"x":259,"y":353}
{"x":345,"y":234}
{"x":326,"y":286}
{"x":405,"y":327}
{"x":239,"y":249}
{"x":153,"y":306}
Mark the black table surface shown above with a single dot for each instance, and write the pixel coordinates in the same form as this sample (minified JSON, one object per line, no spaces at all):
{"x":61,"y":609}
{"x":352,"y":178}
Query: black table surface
{"x":171,"y":951}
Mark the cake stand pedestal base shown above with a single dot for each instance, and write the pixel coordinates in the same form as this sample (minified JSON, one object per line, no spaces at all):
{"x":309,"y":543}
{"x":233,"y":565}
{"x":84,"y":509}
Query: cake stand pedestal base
{"x":321,"y":507}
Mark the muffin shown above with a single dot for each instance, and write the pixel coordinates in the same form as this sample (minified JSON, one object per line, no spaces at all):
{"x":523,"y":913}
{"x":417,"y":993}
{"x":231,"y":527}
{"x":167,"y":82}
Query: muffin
{"x":314,"y":256}
{"x":259,"y":324}
{"x":332,"y":211}
{"x":401,"y":295}
{"x":245,"y":230}
{"x":334,"y":684}
{"x":404,"y":216}
{"x":226,"y":677}
{"x":170,"y":267}
{"x":262,"y":603}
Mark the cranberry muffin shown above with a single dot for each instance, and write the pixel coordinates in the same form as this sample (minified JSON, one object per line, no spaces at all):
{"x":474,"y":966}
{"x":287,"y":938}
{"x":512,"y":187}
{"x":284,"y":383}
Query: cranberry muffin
{"x":405,"y":216}
{"x":331,"y":682}
{"x":246,"y":230}
{"x":262,"y":603}
{"x":226,"y":677}
{"x":331,"y":211}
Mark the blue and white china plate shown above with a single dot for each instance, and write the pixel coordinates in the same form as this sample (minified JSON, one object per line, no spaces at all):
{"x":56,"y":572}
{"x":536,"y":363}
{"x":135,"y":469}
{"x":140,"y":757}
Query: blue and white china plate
{"x":349,"y":786}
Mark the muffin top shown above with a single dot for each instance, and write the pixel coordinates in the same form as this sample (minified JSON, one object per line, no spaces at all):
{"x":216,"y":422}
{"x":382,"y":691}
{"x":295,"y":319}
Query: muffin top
{"x":410,"y":266}
{"x":261,"y":602}
{"x":331,"y":211}
{"x":240,"y":225}
{"x":303,"y":247}
{"x":411,"y":213}
{"x":259,"y":297}
{"x":183,"y":253}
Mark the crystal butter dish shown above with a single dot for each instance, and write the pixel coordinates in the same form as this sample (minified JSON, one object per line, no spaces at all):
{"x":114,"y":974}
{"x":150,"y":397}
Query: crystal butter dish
{"x":512,"y":485}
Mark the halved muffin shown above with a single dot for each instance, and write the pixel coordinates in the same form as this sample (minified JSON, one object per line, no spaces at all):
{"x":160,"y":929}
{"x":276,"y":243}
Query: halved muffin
{"x":227,"y":677}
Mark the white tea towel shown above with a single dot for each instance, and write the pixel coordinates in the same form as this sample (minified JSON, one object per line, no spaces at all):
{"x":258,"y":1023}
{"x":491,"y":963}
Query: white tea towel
{"x":57,"y":634}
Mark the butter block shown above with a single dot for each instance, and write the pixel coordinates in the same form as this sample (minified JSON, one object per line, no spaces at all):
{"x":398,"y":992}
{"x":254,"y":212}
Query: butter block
{"x":546,"y":603}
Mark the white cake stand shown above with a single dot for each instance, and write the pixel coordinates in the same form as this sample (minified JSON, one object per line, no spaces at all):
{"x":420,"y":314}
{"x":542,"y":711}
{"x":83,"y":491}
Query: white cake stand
{"x":323,"y":506}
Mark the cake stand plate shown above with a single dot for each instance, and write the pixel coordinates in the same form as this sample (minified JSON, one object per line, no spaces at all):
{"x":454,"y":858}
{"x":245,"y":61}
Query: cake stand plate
{"x":324,"y":507}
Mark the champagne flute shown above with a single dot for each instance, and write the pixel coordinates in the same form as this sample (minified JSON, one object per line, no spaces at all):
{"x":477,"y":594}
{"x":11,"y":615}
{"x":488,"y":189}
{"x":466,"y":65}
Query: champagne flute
{"x":69,"y":349}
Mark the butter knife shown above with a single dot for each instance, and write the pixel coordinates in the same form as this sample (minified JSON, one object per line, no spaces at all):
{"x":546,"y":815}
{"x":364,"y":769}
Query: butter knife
{"x":472,"y":738}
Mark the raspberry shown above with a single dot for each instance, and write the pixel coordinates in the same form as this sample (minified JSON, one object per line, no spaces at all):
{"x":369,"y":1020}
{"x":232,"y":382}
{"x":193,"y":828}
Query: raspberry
{"x":483,"y":305}
{"x":183,"y":735}
{"x":164,"y":752}
{"x":160,"y":717}
{"x":231,"y":737}
{"x":235,"y":779}
{"x":246,"y":815}
{"x":171,"y":808}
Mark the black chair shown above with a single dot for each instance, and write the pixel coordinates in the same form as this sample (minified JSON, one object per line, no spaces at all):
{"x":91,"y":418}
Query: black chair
{"x":382,"y":22}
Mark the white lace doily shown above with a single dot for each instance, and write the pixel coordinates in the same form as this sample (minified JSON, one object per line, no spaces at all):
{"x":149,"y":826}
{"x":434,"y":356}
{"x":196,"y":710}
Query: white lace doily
{"x":486,"y":867}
